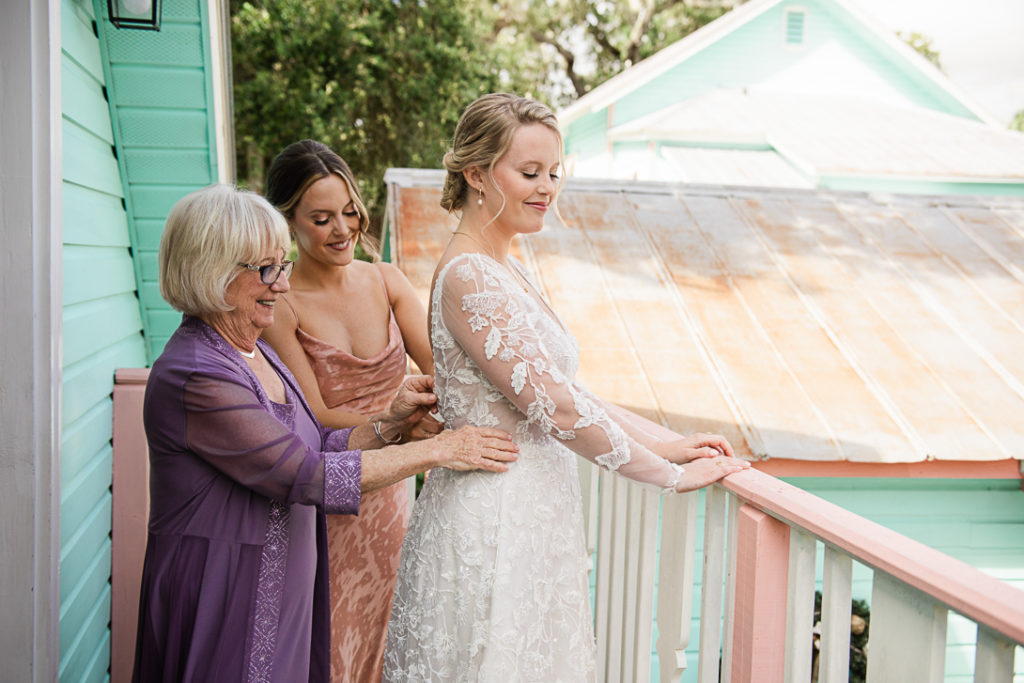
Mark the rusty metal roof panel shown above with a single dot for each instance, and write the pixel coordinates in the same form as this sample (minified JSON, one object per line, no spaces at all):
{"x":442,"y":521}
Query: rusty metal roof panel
{"x":802,"y":324}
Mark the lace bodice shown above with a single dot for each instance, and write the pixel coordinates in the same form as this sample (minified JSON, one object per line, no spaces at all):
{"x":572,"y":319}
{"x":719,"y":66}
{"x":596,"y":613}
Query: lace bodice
{"x":503,"y":360}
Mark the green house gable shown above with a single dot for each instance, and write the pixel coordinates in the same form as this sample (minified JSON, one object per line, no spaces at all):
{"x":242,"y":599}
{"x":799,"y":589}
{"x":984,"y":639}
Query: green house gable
{"x":714,"y":90}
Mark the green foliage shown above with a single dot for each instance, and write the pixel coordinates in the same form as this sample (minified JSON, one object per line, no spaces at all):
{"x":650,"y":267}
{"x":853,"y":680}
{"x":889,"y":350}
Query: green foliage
{"x":1018,"y":121}
{"x":860,"y":629}
{"x":923,"y":45}
{"x":562,"y":49}
{"x":382,"y":83}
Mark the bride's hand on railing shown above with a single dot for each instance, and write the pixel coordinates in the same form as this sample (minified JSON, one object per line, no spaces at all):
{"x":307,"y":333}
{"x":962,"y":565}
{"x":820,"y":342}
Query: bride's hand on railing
{"x":689,"y":448}
{"x":700,"y":472}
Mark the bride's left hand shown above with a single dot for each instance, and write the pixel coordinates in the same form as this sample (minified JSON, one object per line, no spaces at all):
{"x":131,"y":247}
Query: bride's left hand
{"x":699,"y":445}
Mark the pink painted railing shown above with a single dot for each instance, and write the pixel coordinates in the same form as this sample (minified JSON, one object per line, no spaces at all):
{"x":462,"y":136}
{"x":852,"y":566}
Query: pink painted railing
{"x":758,"y":584}
{"x":130,"y":518}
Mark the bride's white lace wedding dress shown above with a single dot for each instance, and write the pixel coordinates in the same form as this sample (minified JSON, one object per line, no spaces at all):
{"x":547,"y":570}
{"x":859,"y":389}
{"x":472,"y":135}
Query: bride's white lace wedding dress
{"x":492,"y":584}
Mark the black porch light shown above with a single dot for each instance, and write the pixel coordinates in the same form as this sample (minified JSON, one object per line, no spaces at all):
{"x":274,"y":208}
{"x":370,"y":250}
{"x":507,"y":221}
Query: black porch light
{"x":140,"y":14}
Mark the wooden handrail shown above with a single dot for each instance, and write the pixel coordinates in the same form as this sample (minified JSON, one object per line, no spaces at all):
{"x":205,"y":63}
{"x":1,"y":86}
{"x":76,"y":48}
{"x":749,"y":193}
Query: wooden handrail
{"x":963,"y":588}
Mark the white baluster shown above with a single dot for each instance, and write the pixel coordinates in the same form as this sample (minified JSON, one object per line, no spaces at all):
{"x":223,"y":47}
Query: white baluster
{"x":836,"y":592}
{"x":993,"y":658}
{"x":908,"y":634}
{"x":644,"y":506}
{"x":730,"y":589}
{"x":800,"y":607}
{"x":711,"y":584}
{"x":675,"y":583}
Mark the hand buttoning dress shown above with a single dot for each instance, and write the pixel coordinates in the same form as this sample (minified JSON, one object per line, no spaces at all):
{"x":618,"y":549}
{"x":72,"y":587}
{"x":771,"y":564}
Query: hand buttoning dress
{"x":363,"y":551}
{"x":493,"y":578}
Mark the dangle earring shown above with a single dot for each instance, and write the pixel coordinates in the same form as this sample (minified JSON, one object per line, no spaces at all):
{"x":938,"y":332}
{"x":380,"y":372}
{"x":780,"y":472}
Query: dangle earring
{"x":480,"y":199}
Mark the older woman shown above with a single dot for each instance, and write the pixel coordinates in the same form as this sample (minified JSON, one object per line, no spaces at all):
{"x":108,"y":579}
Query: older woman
{"x":241,"y":473}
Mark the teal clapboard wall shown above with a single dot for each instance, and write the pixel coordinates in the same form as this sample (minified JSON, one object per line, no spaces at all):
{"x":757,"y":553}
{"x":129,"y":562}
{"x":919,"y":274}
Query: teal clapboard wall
{"x":102,"y":331}
{"x":161,"y":98}
{"x":755,"y":52}
{"x":977,"y":521}
{"x":138,"y":134}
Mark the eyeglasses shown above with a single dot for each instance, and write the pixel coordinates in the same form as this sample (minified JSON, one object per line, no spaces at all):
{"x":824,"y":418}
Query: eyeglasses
{"x":269,"y":274}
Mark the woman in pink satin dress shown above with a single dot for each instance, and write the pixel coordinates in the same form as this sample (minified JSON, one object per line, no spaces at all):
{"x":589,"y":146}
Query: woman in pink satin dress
{"x":344,"y":330}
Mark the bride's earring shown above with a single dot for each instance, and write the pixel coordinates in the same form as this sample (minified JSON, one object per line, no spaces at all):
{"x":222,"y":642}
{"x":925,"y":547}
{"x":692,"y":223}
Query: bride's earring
{"x":480,"y":199}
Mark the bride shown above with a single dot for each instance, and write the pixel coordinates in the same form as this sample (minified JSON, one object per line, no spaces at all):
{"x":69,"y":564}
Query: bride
{"x":492,"y":584}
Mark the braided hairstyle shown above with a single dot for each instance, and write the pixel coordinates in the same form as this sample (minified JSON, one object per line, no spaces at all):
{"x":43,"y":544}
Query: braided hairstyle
{"x":482,"y":137}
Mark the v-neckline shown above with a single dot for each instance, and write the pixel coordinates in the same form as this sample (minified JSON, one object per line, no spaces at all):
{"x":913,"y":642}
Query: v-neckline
{"x":548,"y":311}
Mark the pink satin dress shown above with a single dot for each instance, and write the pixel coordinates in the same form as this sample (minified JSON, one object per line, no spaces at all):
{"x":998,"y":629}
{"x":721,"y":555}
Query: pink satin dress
{"x":363,"y":551}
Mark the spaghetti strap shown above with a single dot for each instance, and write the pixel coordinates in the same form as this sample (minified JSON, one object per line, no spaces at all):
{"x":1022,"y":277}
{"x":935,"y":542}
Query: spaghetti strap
{"x":294,"y":312}
{"x":383,"y":283}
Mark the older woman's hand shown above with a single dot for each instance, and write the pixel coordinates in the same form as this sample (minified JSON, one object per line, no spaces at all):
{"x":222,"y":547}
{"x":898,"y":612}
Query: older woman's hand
{"x":689,"y":448}
{"x":466,"y":448}
{"x":474,"y":448}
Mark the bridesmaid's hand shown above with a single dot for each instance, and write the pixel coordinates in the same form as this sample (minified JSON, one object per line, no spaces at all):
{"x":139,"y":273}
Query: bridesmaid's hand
{"x":689,"y":448}
{"x":415,"y":399}
{"x":429,"y":426}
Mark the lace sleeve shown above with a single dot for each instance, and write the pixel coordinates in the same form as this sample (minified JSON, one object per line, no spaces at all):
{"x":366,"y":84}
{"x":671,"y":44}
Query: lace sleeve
{"x":492,"y":323}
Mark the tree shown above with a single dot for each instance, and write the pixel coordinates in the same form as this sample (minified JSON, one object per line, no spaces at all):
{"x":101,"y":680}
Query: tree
{"x":381,"y":83}
{"x":923,"y":45}
{"x":565,"y":48}
{"x":1018,"y":121}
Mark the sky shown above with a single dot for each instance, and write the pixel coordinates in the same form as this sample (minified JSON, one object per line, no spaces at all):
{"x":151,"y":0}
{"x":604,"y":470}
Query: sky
{"x":980,"y":44}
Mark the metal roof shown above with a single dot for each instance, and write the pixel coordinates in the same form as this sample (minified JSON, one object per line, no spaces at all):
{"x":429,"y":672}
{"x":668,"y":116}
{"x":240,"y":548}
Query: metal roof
{"x":826,"y":135}
{"x":803,"y":324}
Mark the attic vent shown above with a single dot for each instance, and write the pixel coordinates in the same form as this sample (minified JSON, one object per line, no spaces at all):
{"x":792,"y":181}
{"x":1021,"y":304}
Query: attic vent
{"x":795,"y":27}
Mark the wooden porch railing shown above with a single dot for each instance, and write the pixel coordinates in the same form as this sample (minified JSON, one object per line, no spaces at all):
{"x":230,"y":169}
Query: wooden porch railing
{"x":760,"y":546}
{"x":758,"y":579}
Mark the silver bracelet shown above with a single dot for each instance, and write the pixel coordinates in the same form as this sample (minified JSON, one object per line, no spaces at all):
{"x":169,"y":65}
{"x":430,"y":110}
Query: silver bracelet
{"x":376,"y":430}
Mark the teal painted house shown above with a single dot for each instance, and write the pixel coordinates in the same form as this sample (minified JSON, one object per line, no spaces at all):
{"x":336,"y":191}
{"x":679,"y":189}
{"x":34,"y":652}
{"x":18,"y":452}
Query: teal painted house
{"x":788,"y":93}
{"x":103,"y":130}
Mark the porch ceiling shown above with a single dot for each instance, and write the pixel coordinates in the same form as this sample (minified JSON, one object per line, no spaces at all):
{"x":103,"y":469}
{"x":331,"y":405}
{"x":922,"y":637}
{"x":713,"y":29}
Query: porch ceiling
{"x":808,"y":325}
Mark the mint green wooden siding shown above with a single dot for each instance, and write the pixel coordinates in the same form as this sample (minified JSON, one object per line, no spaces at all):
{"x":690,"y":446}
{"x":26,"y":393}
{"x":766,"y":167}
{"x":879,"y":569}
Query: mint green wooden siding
{"x":978,"y":521}
{"x":586,"y":136}
{"x":102,"y":331}
{"x":160,"y":97}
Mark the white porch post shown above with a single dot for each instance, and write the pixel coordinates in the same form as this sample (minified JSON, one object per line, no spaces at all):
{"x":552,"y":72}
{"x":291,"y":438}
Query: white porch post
{"x":30,"y":311}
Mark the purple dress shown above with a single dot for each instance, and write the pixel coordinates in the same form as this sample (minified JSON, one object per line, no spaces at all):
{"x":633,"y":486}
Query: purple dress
{"x":235,"y":581}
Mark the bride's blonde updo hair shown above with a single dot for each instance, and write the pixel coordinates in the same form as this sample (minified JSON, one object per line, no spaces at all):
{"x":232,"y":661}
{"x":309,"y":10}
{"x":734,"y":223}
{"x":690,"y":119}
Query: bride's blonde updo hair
{"x":483,"y":135}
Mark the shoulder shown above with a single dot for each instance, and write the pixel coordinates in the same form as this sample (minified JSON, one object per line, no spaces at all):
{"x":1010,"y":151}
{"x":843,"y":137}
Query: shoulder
{"x":192,"y":351}
{"x":466,"y":268}
{"x":286,"y":320}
